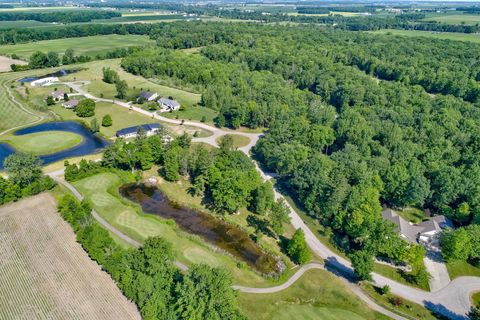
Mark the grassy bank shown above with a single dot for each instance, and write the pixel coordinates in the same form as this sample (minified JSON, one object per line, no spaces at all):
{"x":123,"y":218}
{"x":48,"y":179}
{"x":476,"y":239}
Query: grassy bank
{"x":41,"y":143}
{"x":462,"y":268}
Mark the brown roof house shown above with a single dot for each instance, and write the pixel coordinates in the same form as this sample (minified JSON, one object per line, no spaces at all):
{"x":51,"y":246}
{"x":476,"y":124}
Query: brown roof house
{"x":57,"y":95}
{"x":425,"y":232}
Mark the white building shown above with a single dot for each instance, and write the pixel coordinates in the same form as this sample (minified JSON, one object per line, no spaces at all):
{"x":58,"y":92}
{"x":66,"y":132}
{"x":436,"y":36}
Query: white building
{"x":168,"y":104}
{"x":131,"y":132}
{"x":44,"y":81}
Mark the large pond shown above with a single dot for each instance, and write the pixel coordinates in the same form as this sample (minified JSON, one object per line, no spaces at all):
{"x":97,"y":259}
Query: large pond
{"x":220,"y":233}
{"x":59,"y":73}
{"x":90,"y":142}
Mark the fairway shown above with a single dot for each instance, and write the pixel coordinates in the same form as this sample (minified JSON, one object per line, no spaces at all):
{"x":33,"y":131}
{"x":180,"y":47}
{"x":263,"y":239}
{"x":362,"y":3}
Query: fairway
{"x":316,"y":295}
{"x":470,"y":19}
{"x":45,"y":273}
{"x":90,"y":46}
{"x":42,"y":143}
{"x":437,"y":35}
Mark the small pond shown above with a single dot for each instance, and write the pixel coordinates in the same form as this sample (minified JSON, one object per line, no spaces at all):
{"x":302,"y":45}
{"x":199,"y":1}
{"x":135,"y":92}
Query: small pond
{"x":90,"y":142}
{"x":218,"y":232}
{"x":59,"y":73}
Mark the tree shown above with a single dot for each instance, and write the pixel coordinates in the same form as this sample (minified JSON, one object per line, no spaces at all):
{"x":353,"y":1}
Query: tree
{"x":50,"y":101}
{"x":23,"y":169}
{"x":65,"y":97}
{"x":107,"y":120}
{"x":362,"y":262}
{"x":38,"y":60}
{"x":278,"y":216}
{"x":456,"y":245}
{"x":121,"y":86}
{"x":297,"y":248}
{"x":52,"y":59}
{"x":171,"y":165}
{"x":68,"y":56}
{"x":262,"y":198}
{"x":109,"y":75}
{"x":474,"y":313}
{"x":94,"y":128}
{"x":85,"y":108}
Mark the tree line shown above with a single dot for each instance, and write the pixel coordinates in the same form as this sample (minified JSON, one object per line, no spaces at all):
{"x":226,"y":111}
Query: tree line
{"x":60,"y":16}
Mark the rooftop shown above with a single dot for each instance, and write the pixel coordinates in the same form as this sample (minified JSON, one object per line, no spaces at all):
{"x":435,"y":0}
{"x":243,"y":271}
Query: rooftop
{"x":130,"y":130}
{"x":147,"y":94}
{"x":169,"y":103}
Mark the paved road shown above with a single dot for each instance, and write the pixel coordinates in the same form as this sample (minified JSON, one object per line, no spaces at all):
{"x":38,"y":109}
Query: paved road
{"x":452,"y":301}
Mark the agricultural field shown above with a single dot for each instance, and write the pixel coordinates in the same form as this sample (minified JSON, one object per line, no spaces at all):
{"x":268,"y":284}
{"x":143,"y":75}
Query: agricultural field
{"x":316,"y":295}
{"x":468,"y":19}
{"x":5,"y":63}
{"x":430,"y":34}
{"x":23,"y":24}
{"x":41,"y":143}
{"x":90,"y":46}
{"x":45,"y":273}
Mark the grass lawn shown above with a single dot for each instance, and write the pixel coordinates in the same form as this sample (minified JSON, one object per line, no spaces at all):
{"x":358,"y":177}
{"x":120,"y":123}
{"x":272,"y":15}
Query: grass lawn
{"x":476,"y":298}
{"x":195,"y":113}
{"x":93,"y":72}
{"x":11,"y":115}
{"x":238,"y":141}
{"x":102,"y":191}
{"x":41,"y":143}
{"x":413,"y":215}
{"x":316,"y":295}
{"x":462,"y":268}
{"x":409,"y":308}
{"x":91,"y":46}
{"x":469,"y":19}
{"x":445,"y":36}
{"x":394,"y":274}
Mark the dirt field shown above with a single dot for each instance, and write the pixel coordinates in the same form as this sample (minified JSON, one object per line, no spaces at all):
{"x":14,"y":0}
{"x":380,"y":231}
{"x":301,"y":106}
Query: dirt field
{"x":5,"y":63}
{"x":45,"y":274}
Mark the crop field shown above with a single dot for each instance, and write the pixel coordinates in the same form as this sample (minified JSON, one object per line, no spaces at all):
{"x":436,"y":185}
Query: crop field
{"x":316,"y":295}
{"x":44,"y":272}
{"x":429,"y":34}
{"x":91,"y":46}
{"x":11,"y":115}
{"x":471,"y":19}
{"x":23,"y":24}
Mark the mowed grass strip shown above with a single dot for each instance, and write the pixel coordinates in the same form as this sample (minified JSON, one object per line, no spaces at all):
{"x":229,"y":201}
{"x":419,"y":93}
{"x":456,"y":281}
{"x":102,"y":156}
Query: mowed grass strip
{"x":317,"y":294}
{"x":41,"y":143}
{"x":82,"y":46}
{"x":455,"y":36}
{"x":11,"y":115}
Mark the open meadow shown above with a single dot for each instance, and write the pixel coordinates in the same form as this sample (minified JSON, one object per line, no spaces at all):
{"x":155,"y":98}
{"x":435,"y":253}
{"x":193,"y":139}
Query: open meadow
{"x":430,"y":34}
{"x":469,"y":19}
{"x":45,"y":273}
{"x":89,"y":46}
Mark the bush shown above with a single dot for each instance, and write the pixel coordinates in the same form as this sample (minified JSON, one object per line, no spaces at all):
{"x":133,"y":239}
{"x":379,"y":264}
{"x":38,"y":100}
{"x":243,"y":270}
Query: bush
{"x":85,"y":108}
{"x":297,"y":248}
{"x":107,"y":120}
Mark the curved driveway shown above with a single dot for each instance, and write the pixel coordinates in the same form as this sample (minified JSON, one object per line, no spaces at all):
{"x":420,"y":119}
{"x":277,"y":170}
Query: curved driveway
{"x":452,"y":301}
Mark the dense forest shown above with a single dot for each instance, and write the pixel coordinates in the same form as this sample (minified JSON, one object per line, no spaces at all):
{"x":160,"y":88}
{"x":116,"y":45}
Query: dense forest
{"x":60,"y":16}
{"x":340,"y":139}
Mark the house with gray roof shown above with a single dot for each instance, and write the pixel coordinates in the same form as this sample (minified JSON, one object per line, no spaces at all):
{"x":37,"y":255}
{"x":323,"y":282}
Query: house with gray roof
{"x":148,"y":96}
{"x":57,"y":95}
{"x":70,"y":104}
{"x":424,"y":232}
{"x":169,"y":104}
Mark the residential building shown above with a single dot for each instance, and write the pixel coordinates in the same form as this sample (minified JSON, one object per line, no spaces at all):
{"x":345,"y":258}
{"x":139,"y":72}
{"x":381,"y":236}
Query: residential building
{"x":168,"y":104}
{"x":148,"y":96}
{"x":70,"y":104}
{"x":58,"y":95}
{"x":131,"y":132}
{"x":44,"y":81}
{"x":425,"y":232}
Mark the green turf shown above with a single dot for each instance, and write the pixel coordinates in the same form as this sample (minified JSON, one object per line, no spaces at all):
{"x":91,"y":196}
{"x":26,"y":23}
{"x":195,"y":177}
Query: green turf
{"x":468,"y":19}
{"x":11,"y":115}
{"x":238,"y":141}
{"x":316,"y":295}
{"x":462,"y":268}
{"x":102,"y":191}
{"x":413,"y":215}
{"x":195,"y":113}
{"x":394,"y":274}
{"x":445,"y":36}
{"x":476,"y":299}
{"x":41,"y":143}
{"x":91,"y":46}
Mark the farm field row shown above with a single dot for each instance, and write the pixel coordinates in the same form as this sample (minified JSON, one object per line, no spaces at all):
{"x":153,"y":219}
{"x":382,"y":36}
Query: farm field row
{"x":430,"y":34}
{"x":90,"y":46}
{"x":44,"y":272}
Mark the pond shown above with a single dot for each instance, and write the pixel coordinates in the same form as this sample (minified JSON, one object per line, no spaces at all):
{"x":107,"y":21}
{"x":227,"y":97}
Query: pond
{"x":59,"y":73}
{"x":218,"y":232}
{"x":90,"y":142}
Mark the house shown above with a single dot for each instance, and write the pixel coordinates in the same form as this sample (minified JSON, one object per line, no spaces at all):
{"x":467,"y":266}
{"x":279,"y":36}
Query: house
{"x":168,"y":104}
{"x":148,"y":96}
{"x":57,"y":95}
{"x":131,"y":132}
{"x":425,"y":232}
{"x":70,"y":104}
{"x":44,"y":81}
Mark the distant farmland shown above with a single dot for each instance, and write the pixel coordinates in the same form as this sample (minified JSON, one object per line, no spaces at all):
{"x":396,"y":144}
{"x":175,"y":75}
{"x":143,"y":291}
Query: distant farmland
{"x":44,"y":272}
{"x":82,"y":46}
{"x":471,"y":37}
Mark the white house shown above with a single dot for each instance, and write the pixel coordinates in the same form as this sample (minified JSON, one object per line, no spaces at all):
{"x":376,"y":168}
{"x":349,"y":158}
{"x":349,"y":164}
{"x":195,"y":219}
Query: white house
{"x":57,"y":95}
{"x":44,"y":81}
{"x":168,"y":104}
{"x":131,"y":132}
